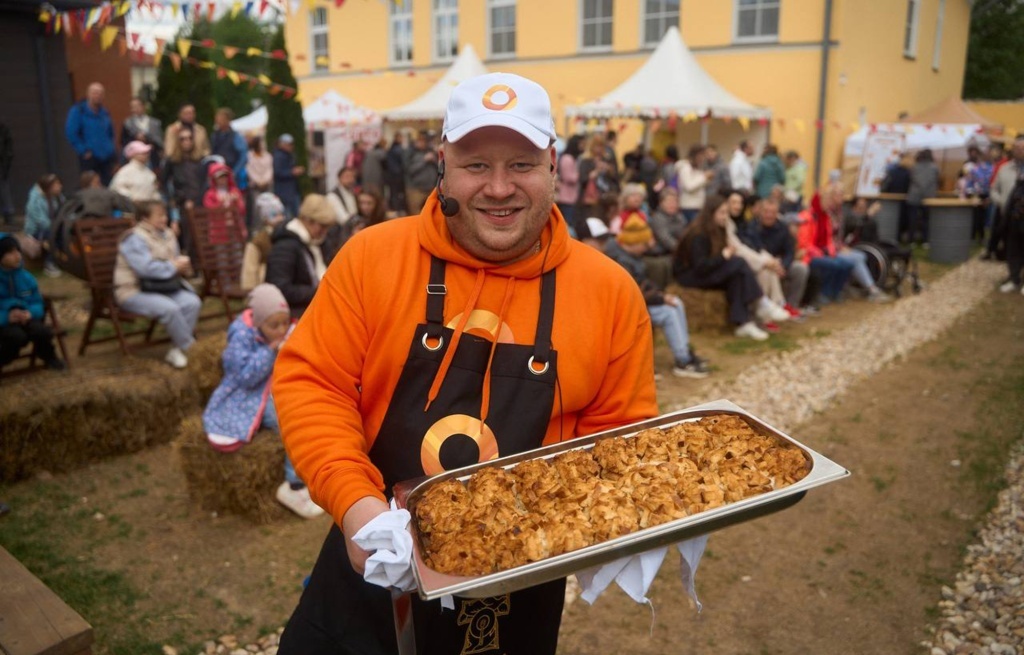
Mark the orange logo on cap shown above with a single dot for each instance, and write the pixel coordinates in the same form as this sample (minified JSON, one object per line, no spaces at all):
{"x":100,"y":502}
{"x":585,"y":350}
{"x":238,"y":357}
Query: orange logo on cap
{"x":499,"y":97}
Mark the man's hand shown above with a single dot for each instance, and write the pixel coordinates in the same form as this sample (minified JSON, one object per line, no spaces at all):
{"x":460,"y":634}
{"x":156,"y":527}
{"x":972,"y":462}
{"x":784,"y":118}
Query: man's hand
{"x":182,"y":264}
{"x":18,"y":316}
{"x":673,"y":300}
{"x":358,"y":515}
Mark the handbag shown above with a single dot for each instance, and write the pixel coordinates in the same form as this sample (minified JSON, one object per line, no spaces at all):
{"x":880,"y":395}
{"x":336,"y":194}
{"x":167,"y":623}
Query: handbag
{"x":168,"y":285}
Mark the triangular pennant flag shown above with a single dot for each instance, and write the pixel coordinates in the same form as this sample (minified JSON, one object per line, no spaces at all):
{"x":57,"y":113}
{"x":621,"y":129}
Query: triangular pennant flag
{"x":233,"y":76}
{"x":338,"y":3}
{"x":174,"y":11}
{"x":184,"y":45}
{"x":175,"y":60}
{"x":298,"y":97}
{"x":273,"y":90}
{"x":235,"y":8}
{"x":134,"y":39}
{"x":781,"y":123}
{"x":92,"y":17}
{"x":818,"y":124}
{"x":105,"y":14}
{"x":323,"y":61}
{"x":107,"y":36}
{"x":279,"y":54}
{"x":123,"y":8}
{"x":301,"y":57}
{"x":855,"y":127}
{"x":59,"y":24}
{"x":690,"y":117}
{"x":312,"y":4}
{"x":221,"y":73}
{"x":248,"y":8}
{"x":744,"y":123}
{"x":263,"y":6}
{"x":208,"y":43}
{"x":288,"y":93}
{"x":158,"y":54}
{"x":230,"y":51}
{"x":44,"y":16}
{"x":69,"y":25}
{"x":254,"y":52}
{"x":208,"y":65}
{"x":184,"y":9}
{"x":800,"y":126}
{"x":763,"y":122}
{"x":264,"y":80}
{"x":211,"y":8}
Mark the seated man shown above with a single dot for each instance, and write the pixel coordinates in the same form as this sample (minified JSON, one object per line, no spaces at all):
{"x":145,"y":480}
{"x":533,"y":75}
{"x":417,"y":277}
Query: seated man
{"x":777,"y":240}
{"x":667,"y":222}
{"x":666,"y":310}
{"x":21,"y":310}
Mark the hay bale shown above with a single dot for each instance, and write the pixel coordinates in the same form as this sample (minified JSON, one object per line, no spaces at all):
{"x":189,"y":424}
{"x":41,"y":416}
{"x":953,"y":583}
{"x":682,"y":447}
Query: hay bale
{"x":205,"y":365}
{"x":58,"y":423}
{"x":706,"y":309}
{"x":242,"y":482}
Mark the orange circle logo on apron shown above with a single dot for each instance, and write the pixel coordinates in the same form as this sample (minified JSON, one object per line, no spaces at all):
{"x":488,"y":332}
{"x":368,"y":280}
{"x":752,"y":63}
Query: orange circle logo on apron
{"x":500,"y":97}
{"x":439,"y":432}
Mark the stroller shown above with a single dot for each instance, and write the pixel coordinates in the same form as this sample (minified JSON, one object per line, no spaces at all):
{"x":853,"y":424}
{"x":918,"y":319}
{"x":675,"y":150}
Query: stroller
{"x":890,"y":264}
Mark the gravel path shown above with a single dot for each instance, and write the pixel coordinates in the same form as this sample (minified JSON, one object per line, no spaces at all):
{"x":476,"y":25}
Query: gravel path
{"x":985,"y":613}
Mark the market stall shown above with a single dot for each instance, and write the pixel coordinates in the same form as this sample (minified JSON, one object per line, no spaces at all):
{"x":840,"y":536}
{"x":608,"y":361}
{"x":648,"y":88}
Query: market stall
{"x":430,"y":106}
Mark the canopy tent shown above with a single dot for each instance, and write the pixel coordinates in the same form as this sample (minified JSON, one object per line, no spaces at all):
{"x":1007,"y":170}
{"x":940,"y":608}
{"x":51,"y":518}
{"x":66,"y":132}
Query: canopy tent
{"x":954,"y":111}
{"x":432,"y":104}
{"x":254,"y":122}
{"x":671,"y":81}
{"x":329,"y":110}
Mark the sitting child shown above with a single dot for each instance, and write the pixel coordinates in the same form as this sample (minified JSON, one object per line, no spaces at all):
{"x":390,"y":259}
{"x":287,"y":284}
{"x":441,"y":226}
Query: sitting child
{"x":666,"y":310}
{"x":631,"y":202}
{"x":242,"y":403}
{"x":21,"y":310}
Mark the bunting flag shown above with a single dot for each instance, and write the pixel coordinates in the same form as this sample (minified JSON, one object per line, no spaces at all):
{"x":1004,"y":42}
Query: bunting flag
{"x":253,"y":52}
{"x":184,"y":45}
{"x":158,"y":54}
{"x":744,"y":123}
{"x":107,"y":36}
{"x":800,"y":126}
{"x":234,"y":77}
{"x":175,"y":61}
{"x":235,"y":8}
{"x":230,"y":51}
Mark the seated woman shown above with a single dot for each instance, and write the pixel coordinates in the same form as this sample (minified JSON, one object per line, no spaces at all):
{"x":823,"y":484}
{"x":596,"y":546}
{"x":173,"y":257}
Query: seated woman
{"x":705,"y":260}
{"x":44,"y":200}
{"x":299,"y":255}
{"x":667,"y":222}
{"x":269,"y":214}
{"x":742,"y":235}
{"x":148,"y":279}
{"x":241,"y":404}
{"x":136,"y":180}
{"x":814,"y":240}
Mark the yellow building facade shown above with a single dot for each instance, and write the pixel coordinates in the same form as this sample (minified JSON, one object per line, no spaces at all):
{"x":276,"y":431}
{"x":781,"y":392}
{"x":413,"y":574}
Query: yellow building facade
{"x":880,"y":57}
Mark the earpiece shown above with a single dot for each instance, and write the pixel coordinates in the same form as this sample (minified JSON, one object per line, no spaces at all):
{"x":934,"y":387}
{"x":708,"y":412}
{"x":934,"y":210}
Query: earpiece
{"x":449,"y":206}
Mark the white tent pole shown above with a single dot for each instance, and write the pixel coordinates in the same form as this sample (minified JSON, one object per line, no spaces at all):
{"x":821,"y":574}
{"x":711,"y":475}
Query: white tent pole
{"x":704,"y":132}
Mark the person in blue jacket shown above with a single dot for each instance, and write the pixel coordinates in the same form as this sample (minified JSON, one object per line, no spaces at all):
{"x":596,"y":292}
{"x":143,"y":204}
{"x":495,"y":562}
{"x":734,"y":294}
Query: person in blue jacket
{"x":21,"y":310}
{"x":90,"y":131}
{"x":286,"y":174}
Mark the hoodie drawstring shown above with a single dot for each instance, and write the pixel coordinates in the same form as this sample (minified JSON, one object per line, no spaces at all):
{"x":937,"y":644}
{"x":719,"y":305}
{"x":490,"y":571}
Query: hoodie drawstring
{"x":485,"y":401}
{"x":446,"y":361}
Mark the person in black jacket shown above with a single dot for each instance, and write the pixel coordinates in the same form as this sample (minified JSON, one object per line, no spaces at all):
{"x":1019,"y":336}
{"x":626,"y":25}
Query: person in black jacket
{"x":897,"y":180}
{"x":777,"y":239}
{"x":299,"y":255}
{"x":704,"y":260}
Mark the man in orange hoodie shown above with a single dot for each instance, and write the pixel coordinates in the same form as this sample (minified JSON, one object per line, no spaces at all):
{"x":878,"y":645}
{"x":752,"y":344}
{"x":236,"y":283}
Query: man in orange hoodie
{"x":440,"y":340}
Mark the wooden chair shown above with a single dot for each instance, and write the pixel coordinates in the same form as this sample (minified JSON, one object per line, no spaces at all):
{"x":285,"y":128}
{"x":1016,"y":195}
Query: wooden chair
{"x":98,"y":240}
{"x":219,"y":239}
{"x":29,"y":351}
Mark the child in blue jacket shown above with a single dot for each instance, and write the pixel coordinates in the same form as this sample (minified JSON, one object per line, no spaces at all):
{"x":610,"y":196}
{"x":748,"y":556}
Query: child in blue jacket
{"x":241,"y":403}
{"x":21,"y":310}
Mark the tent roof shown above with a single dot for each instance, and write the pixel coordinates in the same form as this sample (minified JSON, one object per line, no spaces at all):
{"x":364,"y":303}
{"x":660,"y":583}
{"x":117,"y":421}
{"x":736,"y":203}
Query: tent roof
{"x":434,"y":102}
{"x":670,"y":81}
{"x":328,"y":110}
{"x":253,"y":122}
{"x":952,"y":111}
{"x":918,"y":136}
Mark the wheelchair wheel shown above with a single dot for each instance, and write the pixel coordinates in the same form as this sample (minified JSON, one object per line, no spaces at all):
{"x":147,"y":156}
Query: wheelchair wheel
{"x":877,"y":262}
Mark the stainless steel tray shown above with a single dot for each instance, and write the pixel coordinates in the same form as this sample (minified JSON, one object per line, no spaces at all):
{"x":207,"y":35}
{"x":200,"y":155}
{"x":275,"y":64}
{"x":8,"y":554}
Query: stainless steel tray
{"x":434,"y":585}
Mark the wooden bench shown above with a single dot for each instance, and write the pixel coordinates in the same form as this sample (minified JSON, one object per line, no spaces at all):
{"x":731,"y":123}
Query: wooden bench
{"x":29,"y":351}
{"x":219,"y":238}
{"x":98,"y":240}
{"x":706,"y":309}
{"x":33,"y":620}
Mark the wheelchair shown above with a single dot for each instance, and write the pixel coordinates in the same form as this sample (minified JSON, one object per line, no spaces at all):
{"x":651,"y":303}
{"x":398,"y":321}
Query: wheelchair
{"x":891,"y":265}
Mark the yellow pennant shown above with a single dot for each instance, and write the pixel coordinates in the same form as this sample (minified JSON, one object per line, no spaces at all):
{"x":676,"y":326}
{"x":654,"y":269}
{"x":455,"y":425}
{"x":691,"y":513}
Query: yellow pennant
{"x":1010,"y":132}
{"x":744,"y":123}
{"x":44,"y":17}
{"x":233,"y":76}
{"x":323,"y":61}
{"x":184,"y":45}
{"x":264,"y":80}
{"x":298,"y":97}
{"x":312,"y":4}
{"x":207,"y":64}
{"x":174,"y":11}
{"x":107,"y":36}
{"x":254,"y":52}
{"x":855,"y":127}
{"x":801,"y":127}
{"x":235,"y":8}
{"x":158,"y":55}
{"x":56,"y":29}
{"x":690,"y":117}
{"x":124,"y":7}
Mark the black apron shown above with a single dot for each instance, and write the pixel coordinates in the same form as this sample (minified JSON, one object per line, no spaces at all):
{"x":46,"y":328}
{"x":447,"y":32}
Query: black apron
{"x":341,"y":613}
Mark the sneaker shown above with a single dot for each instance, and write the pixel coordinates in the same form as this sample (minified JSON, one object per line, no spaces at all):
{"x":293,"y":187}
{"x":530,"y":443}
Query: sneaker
{"x":298,"y":501}
{"x":697,"y":358}
{"x":1008,"y":287}
{"x":879,"y":296}
{"x":55,"y":364}
{"x":810,"y":310}
{"x":691,"y":369}
{"x":770,"y":312}
{"x":793,"y":311}
{"x":751,"y":331}
{"x":51,"y":270}
{"x":770,"y":326}
{"x":176,"y":358}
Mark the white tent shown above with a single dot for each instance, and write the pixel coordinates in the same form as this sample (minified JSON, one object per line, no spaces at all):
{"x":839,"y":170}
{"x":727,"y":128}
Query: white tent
{"x":329,"y":110}
{"x":671,"y":81}
{"x":254,"y":122}
{"x":432,"y":104}
{"x":920,"y":136}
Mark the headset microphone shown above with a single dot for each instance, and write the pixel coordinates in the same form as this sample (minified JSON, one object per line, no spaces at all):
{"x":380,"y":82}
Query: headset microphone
{"x":449,"y":206}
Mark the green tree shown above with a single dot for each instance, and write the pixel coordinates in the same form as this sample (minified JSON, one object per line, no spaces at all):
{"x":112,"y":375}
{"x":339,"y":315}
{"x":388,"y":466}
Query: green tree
{"x":240,"y":32}
{"x":189,"y":84}
{"x":285,"y":114}
{"x":995,"y":52}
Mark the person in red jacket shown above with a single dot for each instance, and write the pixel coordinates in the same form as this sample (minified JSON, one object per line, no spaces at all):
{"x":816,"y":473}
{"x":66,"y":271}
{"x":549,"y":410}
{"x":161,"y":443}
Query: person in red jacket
{"x":814,"y":240}
{"x":476,"y":329}
{"x":223,"y":193}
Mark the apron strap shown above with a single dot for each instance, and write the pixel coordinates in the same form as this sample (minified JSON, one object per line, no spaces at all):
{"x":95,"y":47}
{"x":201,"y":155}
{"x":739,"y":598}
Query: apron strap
{"x":545,"y":320}
{"x":436,"y":291}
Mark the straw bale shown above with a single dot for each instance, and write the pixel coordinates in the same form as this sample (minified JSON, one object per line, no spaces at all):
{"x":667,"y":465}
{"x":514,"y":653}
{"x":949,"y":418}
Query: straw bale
{"x":242,"y":482}
{"x":706,"y":309}
{"x":57,"y":423}
{"x":205,"y":366}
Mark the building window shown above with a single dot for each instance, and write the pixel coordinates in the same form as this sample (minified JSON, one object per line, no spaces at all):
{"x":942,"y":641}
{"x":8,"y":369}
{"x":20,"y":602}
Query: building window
{"x":400,"y":29}
{"x":910,"y":32}
{"x":757,"y":20}
{"x":937,"y":52}
{"x":596,"y":25}
{"x":501,"y":15}
{"x":659,"y":15}
{"x":446,"y":30}
{"x":318,"y":31}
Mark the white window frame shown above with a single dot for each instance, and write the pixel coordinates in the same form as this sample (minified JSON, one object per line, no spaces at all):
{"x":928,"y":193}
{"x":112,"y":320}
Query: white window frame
{"x":596,"y":21}
{"x":316,"y":30}
{"x":910,"y":29}
{"x":399,"y":16}
{"x":443,"y":29}
{"x":499,"y":4}
{"x":939,"y":24}
{"x":759,"y":9}
{"x":663,"y":17}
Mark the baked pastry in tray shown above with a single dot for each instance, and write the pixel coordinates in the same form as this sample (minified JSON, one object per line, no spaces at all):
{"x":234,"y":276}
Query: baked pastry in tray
{"x":503,"y":518}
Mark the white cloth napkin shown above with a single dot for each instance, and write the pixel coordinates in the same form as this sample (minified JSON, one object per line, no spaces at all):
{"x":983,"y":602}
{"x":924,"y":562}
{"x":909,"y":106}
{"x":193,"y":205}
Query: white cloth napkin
{"x":387,"y":537}
{"x":635,"y":573}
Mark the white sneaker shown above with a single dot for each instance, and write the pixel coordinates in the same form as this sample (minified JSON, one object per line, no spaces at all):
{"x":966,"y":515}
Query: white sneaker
{"x":298,"y":501}
{"x":769,"y":312}
{"x":51,"y":270}
{"x":879,"y":296}
{"x":1008,"y":287}
{"x":176,"y":358}
{"x":751,"y":331}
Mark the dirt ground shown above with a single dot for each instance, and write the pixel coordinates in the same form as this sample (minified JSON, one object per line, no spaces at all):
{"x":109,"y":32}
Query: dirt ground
{"x":855,"y":567}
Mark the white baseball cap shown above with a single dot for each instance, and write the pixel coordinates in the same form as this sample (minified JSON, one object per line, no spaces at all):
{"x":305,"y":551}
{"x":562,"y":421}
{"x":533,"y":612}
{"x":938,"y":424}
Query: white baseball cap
{"x":597,"y":227}
{"x":500,"y":100}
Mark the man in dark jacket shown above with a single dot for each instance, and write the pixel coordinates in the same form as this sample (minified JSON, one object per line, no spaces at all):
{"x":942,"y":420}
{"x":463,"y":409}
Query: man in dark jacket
{"x":229,"y":144}
{"x":299,"y":256}
{"x":91,"y":133}
{"x":775,"y":237}
{"x":286,"y":174}
{"x":420,"y":173}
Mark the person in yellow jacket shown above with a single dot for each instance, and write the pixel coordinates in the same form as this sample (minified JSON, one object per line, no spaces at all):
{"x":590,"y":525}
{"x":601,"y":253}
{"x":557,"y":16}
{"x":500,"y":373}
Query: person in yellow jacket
{"x":474,"y":330}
